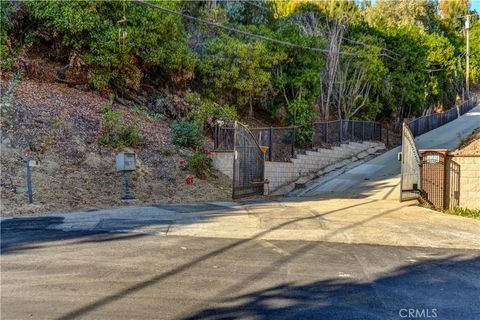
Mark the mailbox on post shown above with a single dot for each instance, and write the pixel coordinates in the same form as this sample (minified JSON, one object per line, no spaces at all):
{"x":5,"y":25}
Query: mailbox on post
{"x":125,"y":162}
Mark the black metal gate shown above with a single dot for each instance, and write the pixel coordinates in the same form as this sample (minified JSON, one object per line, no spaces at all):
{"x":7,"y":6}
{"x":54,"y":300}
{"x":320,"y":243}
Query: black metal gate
{"x":433,"y":178}
{"x":410,"y":183}
{"x":248,"y":164}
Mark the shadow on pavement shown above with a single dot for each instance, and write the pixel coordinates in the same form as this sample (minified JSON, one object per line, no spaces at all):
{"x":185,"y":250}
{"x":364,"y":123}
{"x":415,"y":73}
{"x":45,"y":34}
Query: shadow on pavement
{"x":165,"y":275}
{"x":25,"y":233}
{"x":433,"y":289}
{"x":19,"y":234}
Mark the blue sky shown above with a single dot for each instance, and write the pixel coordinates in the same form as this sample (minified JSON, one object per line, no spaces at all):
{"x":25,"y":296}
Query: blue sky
{"x":475,"y":5}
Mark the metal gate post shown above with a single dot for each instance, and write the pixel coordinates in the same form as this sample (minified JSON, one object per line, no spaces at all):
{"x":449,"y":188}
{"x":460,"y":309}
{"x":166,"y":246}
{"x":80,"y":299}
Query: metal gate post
{"x":352,"y":136}
{"x":270,"y":144}
{"x":234,"y":176}
{"x":29,"y":183}
{"x":325,"y":125}
{"x":445,"y":160}
{"x":341,"y":132}
{"x":293,"y":142}
{"x":363,"y":131}
{"x":215,"y":137}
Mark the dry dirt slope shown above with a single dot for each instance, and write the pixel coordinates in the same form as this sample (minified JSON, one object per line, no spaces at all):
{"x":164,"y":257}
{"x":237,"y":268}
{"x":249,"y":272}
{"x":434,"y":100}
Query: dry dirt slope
{"x":59,"y":126}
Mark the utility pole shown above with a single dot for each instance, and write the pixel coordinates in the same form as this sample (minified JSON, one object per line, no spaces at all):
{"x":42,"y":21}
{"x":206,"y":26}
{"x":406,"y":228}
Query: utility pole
{"x":467,"y":56}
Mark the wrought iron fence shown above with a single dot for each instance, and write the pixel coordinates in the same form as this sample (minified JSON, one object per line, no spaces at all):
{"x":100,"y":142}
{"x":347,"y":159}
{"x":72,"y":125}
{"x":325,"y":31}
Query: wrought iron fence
{"x":336,"y":132}
{"x":467,"y":105}
{"x":424,"y":124}
{"x":285,"y":142}
{"x":223,"y":137}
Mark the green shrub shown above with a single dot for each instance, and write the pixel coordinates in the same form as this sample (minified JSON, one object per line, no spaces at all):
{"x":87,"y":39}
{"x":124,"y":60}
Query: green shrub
{"x":116,"y":134}
{"x":186,"y":134}
{"x":119,"y":40}
{"x":204,"y":111}
{"x":199,"y":164}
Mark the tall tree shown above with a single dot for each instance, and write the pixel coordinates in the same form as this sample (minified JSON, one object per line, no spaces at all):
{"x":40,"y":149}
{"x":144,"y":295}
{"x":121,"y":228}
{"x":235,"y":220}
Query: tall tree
{"x":452,"y":12}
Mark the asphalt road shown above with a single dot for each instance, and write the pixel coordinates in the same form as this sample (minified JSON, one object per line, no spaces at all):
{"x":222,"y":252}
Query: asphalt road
{"x":96,"y":265}
{"x":384,"y":170}
{"x":53,"y":274}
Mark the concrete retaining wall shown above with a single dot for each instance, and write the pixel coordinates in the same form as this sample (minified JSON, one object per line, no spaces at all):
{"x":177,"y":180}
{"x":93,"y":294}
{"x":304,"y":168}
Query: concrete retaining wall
{"x":282,"y":173}
{"x":223,"y":162}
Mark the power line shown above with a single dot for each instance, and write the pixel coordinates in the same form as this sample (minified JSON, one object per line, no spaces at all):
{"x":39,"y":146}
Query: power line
{"x":249,"y":34}
{"x":252,"y":3}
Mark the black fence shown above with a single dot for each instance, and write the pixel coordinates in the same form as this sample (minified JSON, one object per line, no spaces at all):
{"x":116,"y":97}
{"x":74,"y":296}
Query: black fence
{"x":424,"y":124}
{"x":284,"y":142}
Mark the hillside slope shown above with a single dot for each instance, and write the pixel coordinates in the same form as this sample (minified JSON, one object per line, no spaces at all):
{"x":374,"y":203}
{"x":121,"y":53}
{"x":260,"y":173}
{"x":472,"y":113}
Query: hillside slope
{"x":59,"y":126}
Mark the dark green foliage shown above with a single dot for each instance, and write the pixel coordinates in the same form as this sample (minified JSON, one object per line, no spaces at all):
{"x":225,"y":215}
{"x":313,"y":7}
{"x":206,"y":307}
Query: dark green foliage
{"x":7,"y":53}
{"x":117,"y":134}
{"x":238,"y":72}
{"x":204,"y":111}
{"x":475,"y":53}
{"x":119,"y":39}
{"x":186,"y":134}
{"x":199,"y":164}
{"x":124,"y":43}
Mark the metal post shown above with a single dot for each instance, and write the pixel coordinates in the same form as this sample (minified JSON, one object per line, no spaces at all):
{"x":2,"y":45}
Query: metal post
{"x":388,"y":141}
{"x":467,"y":56}
{"x":270,"y":144}
{"x":363,"y":131}
{"x":341,"y":132}
{"x":234,"y":174}
{"x":293,"y":142}
{"x":215,"y":139}
{"x":29,"y":183}
{"x":352,"y":136}
{"x":127,"y":195}
{"x":325,"y":124}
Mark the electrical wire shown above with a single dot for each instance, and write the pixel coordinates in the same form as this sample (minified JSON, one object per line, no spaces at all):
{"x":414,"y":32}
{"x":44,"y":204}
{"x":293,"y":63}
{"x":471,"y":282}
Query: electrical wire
{"x":253,"y":35}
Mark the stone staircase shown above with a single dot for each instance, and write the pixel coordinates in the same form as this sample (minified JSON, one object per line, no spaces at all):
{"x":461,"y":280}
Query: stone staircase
{"x":283,"y":177}
{"x":314,"y":163}
{"x":315,"y":160}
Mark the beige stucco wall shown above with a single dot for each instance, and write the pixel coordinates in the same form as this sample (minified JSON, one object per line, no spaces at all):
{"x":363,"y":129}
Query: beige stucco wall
{"x":223,"y":162}
{"x":464,"y":176}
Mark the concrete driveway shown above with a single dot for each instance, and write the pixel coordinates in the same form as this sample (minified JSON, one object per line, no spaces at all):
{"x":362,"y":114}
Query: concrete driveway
{"x":361,"y":221}
{"x":135,"y":264}
{"x":380,"y":177}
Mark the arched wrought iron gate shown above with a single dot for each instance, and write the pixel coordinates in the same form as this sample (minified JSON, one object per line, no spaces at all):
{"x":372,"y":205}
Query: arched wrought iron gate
{"x":433,"y":178}
{"x":411,"y":183}
{"x":248,"y":164}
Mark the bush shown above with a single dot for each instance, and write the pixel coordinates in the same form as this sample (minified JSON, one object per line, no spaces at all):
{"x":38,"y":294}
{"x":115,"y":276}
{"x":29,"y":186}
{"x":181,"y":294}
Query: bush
{"x":199,"y":164}
{"x":186,"y":134}
{"x":204,"y":111}
{"x":119,"y":40}
{"x":117,"y":134}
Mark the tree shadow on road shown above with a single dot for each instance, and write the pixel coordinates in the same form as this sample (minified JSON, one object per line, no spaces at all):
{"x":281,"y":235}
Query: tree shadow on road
{"x":189,"y":265}
{"x":19,"y":234}
{"x":440,"y":288}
